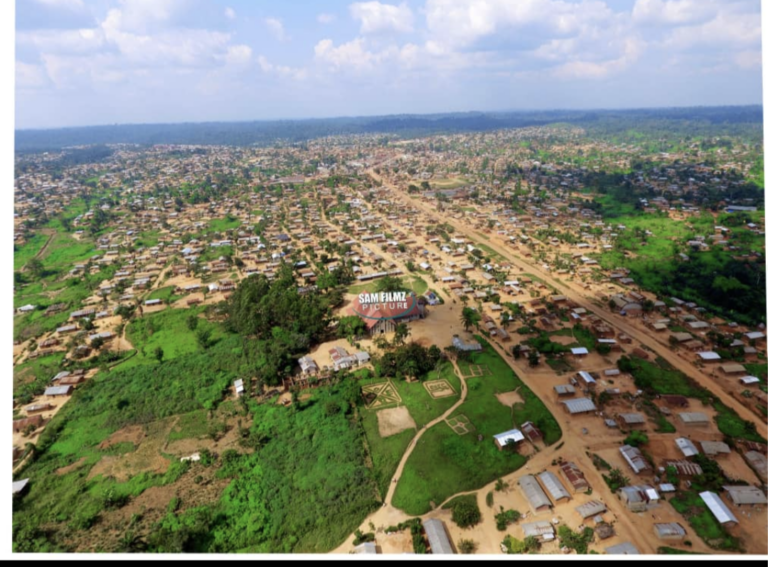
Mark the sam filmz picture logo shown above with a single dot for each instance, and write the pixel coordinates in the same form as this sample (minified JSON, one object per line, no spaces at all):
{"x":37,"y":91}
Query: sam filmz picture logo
{"x":385,"y":305}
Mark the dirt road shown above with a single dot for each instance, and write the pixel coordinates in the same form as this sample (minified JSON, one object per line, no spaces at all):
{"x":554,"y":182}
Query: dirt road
{"x":637,"y":334}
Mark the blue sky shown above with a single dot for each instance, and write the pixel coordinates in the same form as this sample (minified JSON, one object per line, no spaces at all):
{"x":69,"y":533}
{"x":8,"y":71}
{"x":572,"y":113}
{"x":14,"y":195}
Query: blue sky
{"x":87,"y":62}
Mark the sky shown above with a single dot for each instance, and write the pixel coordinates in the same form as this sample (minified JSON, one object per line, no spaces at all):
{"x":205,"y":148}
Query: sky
{"x":92,"y":62}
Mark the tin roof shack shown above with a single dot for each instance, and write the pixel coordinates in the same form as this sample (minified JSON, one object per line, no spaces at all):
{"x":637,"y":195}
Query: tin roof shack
{"x":635,"y":460}
{"x":746,"y":495}
{"x":542,"y":531}
{"x":38,"y":408}
{"x":531,"y":432}
{"x":574,"y":477}
{"x":732,"y":368}
{"x":639,"y":498}
{"x":534,"y":494}
{"x":437,"y":537}
{"x":697,"y":419}
{"x":586,"y":380}
{"x":669,"y":532}
{"x":553,"y":485}
{"x":685,"y":469}
{"x":758,"y":462}
{"x":686,"y":446}
{"x":58,"y":391}
{"x":367,"y":548}
{"x":714,"y":448}
{"x":19,"y":486}
{"x":564,"y":390}
{"x":508,"y":440}
{"x":632,"y":420}
{"x":591,"y":508}
{"x":579,"y":405}
{"x":719,"y":509}
{"x":625,"y":548}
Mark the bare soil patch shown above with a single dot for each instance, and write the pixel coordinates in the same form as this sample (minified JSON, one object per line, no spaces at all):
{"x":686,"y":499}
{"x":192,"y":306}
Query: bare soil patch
{"x":510,"y":398}
{"x":394,"y":420}
{"x":69,"y":468}
{"x":131,"y":434}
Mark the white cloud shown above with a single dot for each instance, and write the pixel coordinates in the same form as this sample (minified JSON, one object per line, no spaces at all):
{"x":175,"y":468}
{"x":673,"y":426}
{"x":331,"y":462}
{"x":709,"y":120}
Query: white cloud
{"x":673,"y":12}
{"x":725,"y":30}
{"x":230,"y":13}
{"x":749,"y":59}
{"x":376,"y":17}
{"x":276,"y":27}
{"x":63,"y":41}
{"x":280,"y":70}
{"x":30,"y":76}
{"x":67,"y":4}
{"x":239,"y":55}
{"x":326,"y":18}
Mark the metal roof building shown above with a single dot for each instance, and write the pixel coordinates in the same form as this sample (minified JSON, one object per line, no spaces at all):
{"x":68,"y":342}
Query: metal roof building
{"x":579,"y":405}
{"x":711,"y":448}
{"x":541,"y":530}
{"x":508,"y":438}
{"x":437,"y":536}
{"x":625,"y":548}
{"x":579,"y":351}
{"x":586,"y":376}
{"x":632,"y":418}
{"x":534,"y":493}
{"x":58,"y":391}
{"x":635,"y":459}
{"x":694,"y":418}
{"x":671,"y":530}
{"x":565,"y":390}
{"x":553,"y":486}
{"x":749,"y":495}
{"x":575,"y":477}
{"x":367,"y":548}
{"x":591,"y":508}
{"x":686,"y":446}
{"x":19,"y":485}
{"x":718,"y":508}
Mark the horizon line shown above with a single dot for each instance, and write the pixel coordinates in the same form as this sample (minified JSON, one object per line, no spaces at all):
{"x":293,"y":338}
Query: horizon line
{"x":371,"y":116}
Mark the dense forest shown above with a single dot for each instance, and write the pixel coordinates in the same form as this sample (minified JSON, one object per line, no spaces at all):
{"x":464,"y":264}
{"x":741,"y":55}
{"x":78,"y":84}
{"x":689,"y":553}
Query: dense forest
{"x":704,"y":121}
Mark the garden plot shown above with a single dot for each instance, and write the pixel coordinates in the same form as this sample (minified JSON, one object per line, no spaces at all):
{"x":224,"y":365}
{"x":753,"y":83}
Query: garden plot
{"x":439,"y":389}
{"x":380,"y":395}
{"x":460,"y":425}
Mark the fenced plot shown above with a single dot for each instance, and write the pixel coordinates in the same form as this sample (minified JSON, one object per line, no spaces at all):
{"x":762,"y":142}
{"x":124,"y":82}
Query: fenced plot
{"x":460,"y":425}
{"x":475,"y":370}
{"x":380,"y":395}
{"x":439,"y":388}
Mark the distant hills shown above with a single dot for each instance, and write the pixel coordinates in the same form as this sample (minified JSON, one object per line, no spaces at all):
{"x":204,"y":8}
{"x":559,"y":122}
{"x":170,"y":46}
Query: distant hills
{"x":709,"y":120}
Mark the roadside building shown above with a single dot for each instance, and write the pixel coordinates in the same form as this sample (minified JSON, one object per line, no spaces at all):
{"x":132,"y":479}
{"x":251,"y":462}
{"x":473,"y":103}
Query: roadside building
{"x":535,"y":495}
{"x":686,"y":446}
{"x":508,"y":439}
{"x":746,"y":495}
{"x":625,"y":548}
{"x":632,"y":420}
{"x":579,"y":405}
{"x":542,"y":531}
{"x":694,"y":418}
{"x":574,"y":477}
{"x":718,"y":508}
{"x":591,"y":508}
{"x":669,"y":532}
{"x":639,"y":498}
{"x":553,"y":485}
{"x":635,"y":459}
{"x":437,"y":537}
{"x":714,"y":448}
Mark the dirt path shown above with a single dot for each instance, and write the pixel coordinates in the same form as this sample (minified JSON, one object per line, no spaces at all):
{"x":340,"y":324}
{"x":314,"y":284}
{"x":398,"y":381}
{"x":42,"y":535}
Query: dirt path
{"x":572,"y":294}
{"x":415,"y":440}
{"x":51,"y":233}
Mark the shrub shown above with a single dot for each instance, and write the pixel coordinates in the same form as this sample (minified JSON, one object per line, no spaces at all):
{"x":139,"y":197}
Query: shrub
{"x":489,"y":499}
{"x":466,"y":514}
{"x":467,"y":546}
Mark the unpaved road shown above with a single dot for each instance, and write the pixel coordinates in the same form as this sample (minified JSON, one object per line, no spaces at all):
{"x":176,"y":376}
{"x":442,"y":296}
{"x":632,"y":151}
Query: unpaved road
{"x":615,"y":320}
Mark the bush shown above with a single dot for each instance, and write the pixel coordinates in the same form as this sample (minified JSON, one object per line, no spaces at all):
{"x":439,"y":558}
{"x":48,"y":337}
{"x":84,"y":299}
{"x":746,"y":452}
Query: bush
{"x":466,"y":514}
{"x":489,"y":499}
{"x":467,"y":546}
{"x":504,"y":518}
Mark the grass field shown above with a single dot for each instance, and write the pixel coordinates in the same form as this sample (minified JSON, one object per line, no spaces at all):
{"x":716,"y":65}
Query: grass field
{"x":387,"y":452}
{"x":166,"y":294}
{"x":28,"y":250}
{"x":167,"y":329}
{"x":222,"y":225}
{"x":448,"y":183}
{"x":703,"y":522}
{"x":445,"y":463}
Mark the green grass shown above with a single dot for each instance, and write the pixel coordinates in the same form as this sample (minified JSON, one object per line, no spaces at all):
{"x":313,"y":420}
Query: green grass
{"x":446,"y":183}
{"x":166,"y":294}
{"x":167,"y":329}
{"x":387,"y":452}
{"x":190,"y":426}
{"x":28,"y":250}
{"x":222,"y":225}
{"x":445,"y":463}
{"x":703,"y":522}
{"x":465,"y":498}
{"x":759,"y":369}
{"x":673,"y":551}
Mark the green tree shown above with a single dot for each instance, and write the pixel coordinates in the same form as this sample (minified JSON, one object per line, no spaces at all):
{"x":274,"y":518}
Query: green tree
{"x":467,"y":546}
{"x":469,"y":318}
{"x":351,"y":327}
{"x":204,"y":337}
{"x":159,"y":354}
{"x":465,"y":514}
{"x":533,"y":358}
{"x":192,"y":321}
{"x":36,"y":268}
{"x":402,"y":332}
